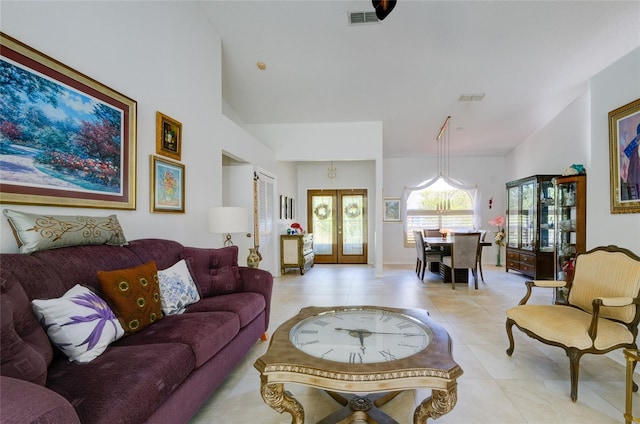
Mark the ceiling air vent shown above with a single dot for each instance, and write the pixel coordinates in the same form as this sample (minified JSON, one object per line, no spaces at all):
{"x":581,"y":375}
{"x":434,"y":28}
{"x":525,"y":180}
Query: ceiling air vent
{"x":361,"y":18}
{"x":471,"y":97}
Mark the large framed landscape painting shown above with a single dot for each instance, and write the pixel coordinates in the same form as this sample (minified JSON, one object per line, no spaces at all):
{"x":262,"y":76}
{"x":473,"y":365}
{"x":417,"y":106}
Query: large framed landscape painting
{"x":624,"y":158}
{"x":65,"y":139}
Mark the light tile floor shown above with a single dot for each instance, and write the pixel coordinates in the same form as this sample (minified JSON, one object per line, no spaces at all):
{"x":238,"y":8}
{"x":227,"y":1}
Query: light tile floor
{"x":532,"y":386}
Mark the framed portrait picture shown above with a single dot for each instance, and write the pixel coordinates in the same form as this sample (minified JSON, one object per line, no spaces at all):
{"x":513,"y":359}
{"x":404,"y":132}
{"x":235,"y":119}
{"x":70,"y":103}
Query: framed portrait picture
{"x":65,"y":139}
{"x":283,"y":207}
{"x":167,"y":185}
{"x":391,"y":209}
{"x":292,"y":208}
{"x":624,"y":158}
{"x":168,"y":136}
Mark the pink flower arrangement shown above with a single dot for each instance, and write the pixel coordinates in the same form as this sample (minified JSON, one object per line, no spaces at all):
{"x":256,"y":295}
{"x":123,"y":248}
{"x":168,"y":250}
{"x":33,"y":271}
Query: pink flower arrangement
{"x":498,"y":222}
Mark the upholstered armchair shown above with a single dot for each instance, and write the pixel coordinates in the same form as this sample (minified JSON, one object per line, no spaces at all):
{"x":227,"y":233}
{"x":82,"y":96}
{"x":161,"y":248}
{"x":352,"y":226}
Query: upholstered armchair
{"x":601,"y":313}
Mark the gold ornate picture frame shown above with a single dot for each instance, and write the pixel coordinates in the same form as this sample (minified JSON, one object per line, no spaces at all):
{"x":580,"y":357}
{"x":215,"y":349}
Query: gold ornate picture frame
{"x":67,"y":140}
{"x":168,"y":136}
{"x":167,"y":185}
{"x":624,"y":158}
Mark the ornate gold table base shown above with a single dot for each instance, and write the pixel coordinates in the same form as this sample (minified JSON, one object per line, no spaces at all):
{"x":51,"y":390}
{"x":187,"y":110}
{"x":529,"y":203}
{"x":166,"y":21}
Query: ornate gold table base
{"x":359,"y":407}
{"x":432,"y":368}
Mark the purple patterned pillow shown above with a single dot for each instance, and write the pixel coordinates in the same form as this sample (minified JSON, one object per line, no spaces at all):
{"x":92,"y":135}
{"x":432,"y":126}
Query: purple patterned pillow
{"x":214,"y":270}
{"x":79,"y":323}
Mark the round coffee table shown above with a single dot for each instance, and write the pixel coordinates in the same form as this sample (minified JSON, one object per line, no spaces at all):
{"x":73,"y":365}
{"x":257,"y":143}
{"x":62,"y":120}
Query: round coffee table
{"x":372,"y":349}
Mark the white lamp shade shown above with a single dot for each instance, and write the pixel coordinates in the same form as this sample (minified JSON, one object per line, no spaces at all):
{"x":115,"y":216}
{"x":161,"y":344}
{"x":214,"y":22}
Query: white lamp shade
{"x":227,"y":219}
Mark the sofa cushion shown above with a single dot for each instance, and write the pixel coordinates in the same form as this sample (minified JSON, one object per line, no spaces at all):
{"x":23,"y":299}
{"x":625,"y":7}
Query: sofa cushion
{"x":23,"y":402}
{"x":79,"y":323}
{"x":214,"y":270}
{"x":177,"y":289}
{"x":247,"y":305}
{"x":41,"y":232}
{"x":25,"y":324}
{"x":134,"y":295}
{"x":205,"y":333}
{"x":19,"y":359}
{"x":124,"y":385}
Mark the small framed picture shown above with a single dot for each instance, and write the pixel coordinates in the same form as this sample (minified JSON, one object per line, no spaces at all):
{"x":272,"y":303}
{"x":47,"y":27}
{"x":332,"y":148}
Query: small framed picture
{"x":283,"y":207}
{"x":167,"y":185}
{"x":391,"y":209}
{"x":292,"y":208}
{"x":168,"y":136}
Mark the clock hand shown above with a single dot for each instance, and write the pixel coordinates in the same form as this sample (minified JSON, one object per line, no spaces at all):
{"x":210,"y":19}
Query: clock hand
{"x":367,"y":332}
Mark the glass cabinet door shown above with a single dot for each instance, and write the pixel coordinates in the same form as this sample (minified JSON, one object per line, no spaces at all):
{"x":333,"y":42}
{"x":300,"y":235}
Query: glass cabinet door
{"x":547,"y":217}
{"x":528,"y":213}
{"x":513,"y":217}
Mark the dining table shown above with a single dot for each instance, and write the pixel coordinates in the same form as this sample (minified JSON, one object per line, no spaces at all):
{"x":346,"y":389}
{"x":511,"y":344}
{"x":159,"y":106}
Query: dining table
{"x":462,"y":274}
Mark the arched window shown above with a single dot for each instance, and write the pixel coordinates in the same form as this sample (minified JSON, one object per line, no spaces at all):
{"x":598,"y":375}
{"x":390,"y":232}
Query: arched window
{"x":442,"y":203}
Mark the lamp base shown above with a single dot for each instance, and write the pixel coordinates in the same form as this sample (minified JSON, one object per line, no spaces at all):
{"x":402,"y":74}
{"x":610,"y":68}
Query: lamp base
{"x":227,"y":240}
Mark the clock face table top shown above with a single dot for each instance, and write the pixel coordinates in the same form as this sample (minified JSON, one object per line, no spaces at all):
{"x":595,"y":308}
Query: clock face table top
{"x":360,"y":349}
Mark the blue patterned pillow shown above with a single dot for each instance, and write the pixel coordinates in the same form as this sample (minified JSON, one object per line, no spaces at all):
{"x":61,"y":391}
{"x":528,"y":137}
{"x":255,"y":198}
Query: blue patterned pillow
{"x":79,"y":323}
{"x":177,"y":288}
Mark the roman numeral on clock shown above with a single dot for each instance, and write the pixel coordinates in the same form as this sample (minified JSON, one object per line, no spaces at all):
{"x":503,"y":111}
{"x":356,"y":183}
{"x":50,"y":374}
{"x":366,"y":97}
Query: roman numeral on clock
{"x":355,"y":358}
{"x":387,"y":355}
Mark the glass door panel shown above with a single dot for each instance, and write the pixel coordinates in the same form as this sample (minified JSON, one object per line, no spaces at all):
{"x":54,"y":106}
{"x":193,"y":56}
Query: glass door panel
{"x":513,"y":218}
{"x":528,"y":216}
{"x":351,"y":228}
{"x":322,"y":224}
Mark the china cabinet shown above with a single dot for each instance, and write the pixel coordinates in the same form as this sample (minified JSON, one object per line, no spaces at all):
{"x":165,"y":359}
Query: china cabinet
{"x":530,"y":226}
{"x":571,"y":226}
{"x":296,"y":251}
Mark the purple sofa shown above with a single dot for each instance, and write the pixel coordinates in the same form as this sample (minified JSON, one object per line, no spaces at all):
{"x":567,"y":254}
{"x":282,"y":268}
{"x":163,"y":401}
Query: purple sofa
{"x":162,"y":374}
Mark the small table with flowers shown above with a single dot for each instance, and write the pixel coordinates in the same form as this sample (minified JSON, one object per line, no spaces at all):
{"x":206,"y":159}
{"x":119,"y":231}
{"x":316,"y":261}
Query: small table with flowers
{"x":296,"y":251}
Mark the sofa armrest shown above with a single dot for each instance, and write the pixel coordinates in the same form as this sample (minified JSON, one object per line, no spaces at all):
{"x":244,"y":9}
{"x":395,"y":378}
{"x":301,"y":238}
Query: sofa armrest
{"x":259,"y":281}
{"x":25,"y":402}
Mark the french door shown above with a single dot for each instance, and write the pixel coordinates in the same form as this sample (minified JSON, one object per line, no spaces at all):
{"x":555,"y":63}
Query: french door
{"x":338,"y":221}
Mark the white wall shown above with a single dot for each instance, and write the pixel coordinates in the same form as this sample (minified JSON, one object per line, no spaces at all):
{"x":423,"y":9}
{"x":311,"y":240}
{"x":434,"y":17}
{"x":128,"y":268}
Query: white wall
{"x":580,"y":134}
{"x":142,"y":50}
{"x":616,"y":86}
{"x":487,"y":172}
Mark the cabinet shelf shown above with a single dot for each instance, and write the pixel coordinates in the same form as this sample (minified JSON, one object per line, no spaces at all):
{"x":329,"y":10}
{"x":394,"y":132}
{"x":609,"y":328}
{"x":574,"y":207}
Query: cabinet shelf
{"x":296,"y":251}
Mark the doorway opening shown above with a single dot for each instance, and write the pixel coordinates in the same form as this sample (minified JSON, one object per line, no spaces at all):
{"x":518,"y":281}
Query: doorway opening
{"x":338,"y":221}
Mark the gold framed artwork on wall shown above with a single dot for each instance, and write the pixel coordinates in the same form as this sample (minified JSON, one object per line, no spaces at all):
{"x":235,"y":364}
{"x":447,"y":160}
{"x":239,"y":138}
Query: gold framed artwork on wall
{"x":624,"y":158}
{"x":167,"y":185}
{"x":168,"y":136}
{"x":67,"y":140}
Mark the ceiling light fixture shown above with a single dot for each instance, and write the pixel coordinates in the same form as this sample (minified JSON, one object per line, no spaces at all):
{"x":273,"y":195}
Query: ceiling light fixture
{"x":383,"y":7}
{"x":442,"y":184}
{"x":261,"y":65}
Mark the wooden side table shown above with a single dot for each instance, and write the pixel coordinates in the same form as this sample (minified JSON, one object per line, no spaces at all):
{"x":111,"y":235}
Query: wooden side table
{"x":631,"y":355}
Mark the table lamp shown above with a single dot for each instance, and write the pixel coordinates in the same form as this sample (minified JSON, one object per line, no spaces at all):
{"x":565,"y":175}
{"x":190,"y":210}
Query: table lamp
{"x":227,"y":220}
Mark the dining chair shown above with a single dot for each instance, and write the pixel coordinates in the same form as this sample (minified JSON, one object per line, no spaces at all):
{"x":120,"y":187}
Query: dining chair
{"x":464,"y":255}
{"x":431,"y":232}
{"x":425,"y":254}
{"x":483,"y":235}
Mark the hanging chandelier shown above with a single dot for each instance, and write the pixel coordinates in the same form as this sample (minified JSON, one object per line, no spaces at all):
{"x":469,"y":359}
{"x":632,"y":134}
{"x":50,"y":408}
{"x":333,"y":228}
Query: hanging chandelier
{"x":442,"y":184}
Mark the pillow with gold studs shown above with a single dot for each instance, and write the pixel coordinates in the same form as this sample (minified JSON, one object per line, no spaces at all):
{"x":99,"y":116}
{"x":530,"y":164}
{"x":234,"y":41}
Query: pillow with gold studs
{"x":134,"y":295}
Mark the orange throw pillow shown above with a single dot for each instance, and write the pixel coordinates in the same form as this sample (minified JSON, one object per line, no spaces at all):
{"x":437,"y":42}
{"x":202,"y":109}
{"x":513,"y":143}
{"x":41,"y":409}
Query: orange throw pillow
{"x":134,"y":295}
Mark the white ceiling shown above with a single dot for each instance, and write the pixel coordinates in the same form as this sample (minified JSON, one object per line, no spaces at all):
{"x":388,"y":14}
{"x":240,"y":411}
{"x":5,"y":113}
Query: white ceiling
{"x":531,"y":58}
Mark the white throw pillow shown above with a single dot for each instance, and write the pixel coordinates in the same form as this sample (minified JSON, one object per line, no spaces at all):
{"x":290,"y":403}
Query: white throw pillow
{"x":177,"y":288}
{"x":80,"y":323}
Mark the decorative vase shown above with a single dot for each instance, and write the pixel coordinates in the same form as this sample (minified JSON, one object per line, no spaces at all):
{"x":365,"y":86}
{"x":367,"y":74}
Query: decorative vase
{"x":254,"y":258}
{"x":498,"y":256}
